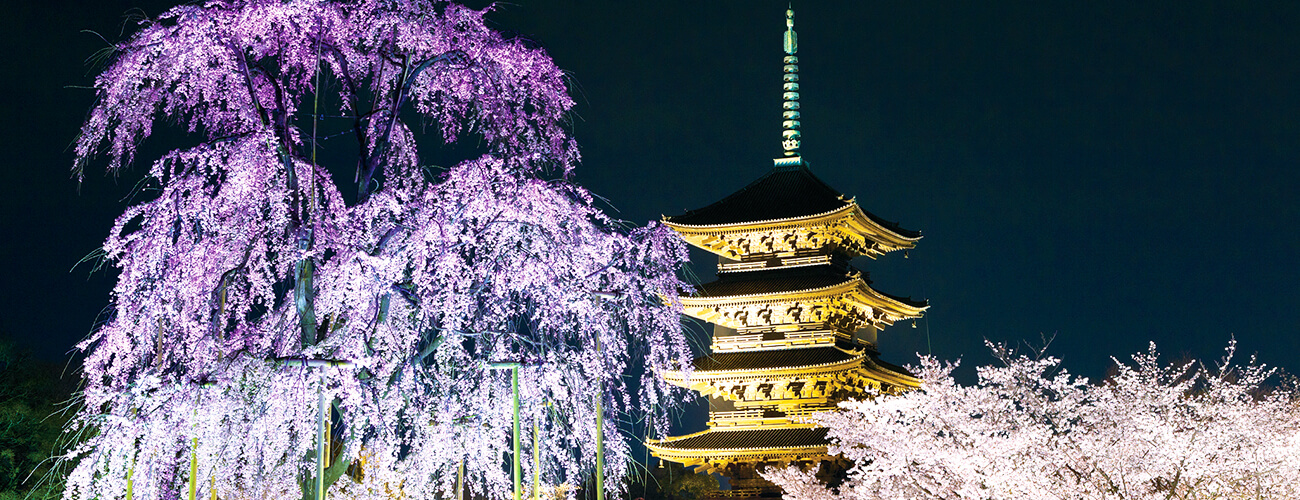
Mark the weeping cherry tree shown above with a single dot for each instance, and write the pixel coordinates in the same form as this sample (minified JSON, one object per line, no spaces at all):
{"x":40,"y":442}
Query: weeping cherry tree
{"x":302,"y":221}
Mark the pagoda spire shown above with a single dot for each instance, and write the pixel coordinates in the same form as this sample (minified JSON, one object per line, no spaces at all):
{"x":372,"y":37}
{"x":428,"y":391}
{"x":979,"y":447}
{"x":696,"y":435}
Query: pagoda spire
{"x":790,"y":96}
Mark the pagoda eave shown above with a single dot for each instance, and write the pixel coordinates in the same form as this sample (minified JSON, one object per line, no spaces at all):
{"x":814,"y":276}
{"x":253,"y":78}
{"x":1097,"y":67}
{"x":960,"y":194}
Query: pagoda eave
{"x":681,"y":379}
{"x":809,"y":443}
{"x":718,"y":458}
{"x":704,"y":383}
{"x":848,"y":227}
{"x":859,"y":364}
{"x":884,"y":309}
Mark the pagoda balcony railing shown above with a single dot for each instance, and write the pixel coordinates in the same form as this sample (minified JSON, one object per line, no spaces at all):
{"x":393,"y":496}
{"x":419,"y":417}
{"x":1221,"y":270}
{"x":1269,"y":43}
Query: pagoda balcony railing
{"x":747,"y":414}
{"x":765,"y":339}
{"x":785,"y":261}
{"x":804,"y":328}
{"x":780,"y":422}
{"x":753,"y":417}
{"x":743,"y":266}
{"x":800,"y":413}
{"x":759,"y":417}
{"x":804,"y":261}
{"x":742,"y":493}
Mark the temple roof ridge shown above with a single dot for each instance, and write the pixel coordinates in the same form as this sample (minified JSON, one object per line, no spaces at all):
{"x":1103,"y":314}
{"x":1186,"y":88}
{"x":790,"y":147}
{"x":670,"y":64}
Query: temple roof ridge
{"x":791,"y":437}
{"x":786,"y":280}
{"x":804,"y":358}
{"x":782,"y":193}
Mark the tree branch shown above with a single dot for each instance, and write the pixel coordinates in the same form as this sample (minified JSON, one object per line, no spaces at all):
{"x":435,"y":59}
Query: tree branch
{"x":373,"y":159}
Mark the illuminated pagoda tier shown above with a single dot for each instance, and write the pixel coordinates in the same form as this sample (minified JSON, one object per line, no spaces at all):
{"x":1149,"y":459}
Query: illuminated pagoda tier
{"x":795,"y":325}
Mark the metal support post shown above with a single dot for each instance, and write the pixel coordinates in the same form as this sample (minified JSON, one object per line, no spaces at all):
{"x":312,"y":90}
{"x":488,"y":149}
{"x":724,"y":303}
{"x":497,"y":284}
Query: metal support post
{"x":600,"y":428}
{"x":537,"y":484}
{"x":194,"y":468}
{"x":600,"y":450}
{"x":322,"y":414}
{"x":460,"y":481}
{"x":320,"y":439}
{"x":514,"y":384}
{"x":600,"y":398}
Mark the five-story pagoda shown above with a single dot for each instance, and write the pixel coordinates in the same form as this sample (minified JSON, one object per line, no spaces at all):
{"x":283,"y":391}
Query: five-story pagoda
{"x":795,"y":325}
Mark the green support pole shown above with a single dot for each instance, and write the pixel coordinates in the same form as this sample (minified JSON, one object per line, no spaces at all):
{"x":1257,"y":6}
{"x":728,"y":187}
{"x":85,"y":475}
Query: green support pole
{"x":130,"y":473}
{"x":194,"y":457}
{"x":460,"y":481}
{"x":322,"y":413}
{"x":537,"y":478}
{"x":600,"y":451}
{"x":514,"y":384}
{"x":600,"y":429}
{"x":320,"y":441}
{"x":194,"y":467}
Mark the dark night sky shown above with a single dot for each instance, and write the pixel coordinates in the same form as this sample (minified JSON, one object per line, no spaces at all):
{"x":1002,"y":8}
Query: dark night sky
{"x":1113,"y":172}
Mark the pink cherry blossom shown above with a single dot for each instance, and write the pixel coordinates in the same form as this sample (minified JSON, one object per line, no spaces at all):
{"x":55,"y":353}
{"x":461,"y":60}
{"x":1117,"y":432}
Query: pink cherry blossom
{"x":1028,"y":429}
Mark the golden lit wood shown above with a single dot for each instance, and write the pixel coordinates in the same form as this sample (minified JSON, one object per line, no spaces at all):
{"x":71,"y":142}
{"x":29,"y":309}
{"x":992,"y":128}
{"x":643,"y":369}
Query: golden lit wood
{"x":847,"y":228}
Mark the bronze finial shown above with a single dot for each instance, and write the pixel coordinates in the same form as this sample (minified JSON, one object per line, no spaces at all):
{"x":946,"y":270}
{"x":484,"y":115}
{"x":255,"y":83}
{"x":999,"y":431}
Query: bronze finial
{"x":791,"y":41}
{"x":790,"y":106}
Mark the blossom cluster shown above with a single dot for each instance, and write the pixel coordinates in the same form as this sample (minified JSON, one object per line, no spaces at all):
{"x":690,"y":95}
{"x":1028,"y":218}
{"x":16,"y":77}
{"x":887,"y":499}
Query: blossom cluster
{"x":1028,"y":429}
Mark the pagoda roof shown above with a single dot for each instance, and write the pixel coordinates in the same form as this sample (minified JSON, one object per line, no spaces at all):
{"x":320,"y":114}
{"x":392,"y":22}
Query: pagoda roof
{"x":787,"y":280}
{"x":796,"y":362}
{"x":776,"y":280}
{"x":788,"y":359}
{"x":772,"y":359}
{"x":906,"y":300}
{"x":784,"y":192}
{"x":742,"y":440}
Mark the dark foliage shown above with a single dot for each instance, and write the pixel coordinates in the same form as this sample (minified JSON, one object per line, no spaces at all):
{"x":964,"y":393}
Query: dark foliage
{"x":32,"y":393}
{"x":670,"y":482}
